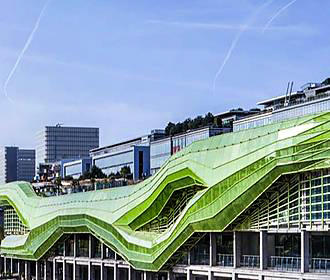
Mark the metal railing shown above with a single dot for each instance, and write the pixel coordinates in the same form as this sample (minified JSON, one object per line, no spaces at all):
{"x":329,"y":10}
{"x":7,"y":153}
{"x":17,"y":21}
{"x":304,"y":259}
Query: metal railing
{"x":250,"y":261}
{"x":320,"y":265}
{"x":225,"y":260}
{"x":284,"y":263}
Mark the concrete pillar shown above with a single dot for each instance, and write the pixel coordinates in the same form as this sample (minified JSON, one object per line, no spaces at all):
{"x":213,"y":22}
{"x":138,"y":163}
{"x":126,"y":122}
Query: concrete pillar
{"x":54,"y":269}
{"x":11,"y":265}
{"x":89,"y":270}
{"x":27,"y":270}
{"x":234,"y":276}
{"x":116,"y":272}
{"x":18,"y":267}
{"x":145,"y":275}
{"x":131,"y":273}
{"x":45,"y":270}
{"x":210,"y":275}
{"x":170,"y":275}
{"x":263,"y":249}
{"x":189,"y":274}
{"x":38,"y":272}
{"x":74,"y":245}
{"x":213,"y":249}
{"x":74,"y":271}
{"x":64,"y":270}
{"x":237,"y":244}
{"x":304,"y":251}
{"x":5,"y":265}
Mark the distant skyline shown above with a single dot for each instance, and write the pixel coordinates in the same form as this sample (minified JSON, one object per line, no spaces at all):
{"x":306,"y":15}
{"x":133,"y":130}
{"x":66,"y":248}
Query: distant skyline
{"x":128,"y":67}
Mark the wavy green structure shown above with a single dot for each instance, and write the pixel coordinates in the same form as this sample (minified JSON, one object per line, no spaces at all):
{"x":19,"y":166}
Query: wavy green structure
{"x":231,"y":170}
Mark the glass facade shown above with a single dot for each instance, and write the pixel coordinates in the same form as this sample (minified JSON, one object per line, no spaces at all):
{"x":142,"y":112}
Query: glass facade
{"x":160,"y":151}
{"x":113,"y":163}
{"x":286,"y":113}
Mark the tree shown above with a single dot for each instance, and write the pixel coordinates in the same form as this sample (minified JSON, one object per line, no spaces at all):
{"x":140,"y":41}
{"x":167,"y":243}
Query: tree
{"x":125,"y":171}
{"x":58,"y":183}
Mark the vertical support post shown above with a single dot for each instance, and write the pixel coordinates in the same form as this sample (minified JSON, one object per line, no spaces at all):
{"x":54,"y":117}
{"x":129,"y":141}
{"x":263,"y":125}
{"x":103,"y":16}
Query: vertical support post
{"x":18,"y":267}
{"x":11,"y":265}
{"x":74,"y":245}
{"x":189,"y":274}
{"x":64,"y":270}
{"x":27,"y":270}
{"x":5,"y":265}
{"x":74,"y":270}
{"x":89,"y":270}
{"x":54,"y":269}
{"x":131,"y":273}
{"x":263,"y":249}
{"x":145,"y":275}
{"x":234,"y":276}
{"x":213,"y":249}
{"x":45,"y":270}
{"x":210,"y":276}
{"x":90,"y":246}
{"x":237,"y":248}
{"x":38,"y":272}
{"x":304,"y":251}
{"x":115,"y":272}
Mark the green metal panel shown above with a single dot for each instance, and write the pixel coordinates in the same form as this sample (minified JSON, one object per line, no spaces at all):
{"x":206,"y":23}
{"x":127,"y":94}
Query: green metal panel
{"x":234,"y":170}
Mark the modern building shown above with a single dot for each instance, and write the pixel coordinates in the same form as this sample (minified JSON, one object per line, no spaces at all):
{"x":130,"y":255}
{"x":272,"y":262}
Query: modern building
{"x":253,"y":204}
{"x":227,"y":118}
{"x":16,"y":164}
{"x":76,"y":168}
{"x":312,"y":98}
{"x":134,"y":153}
{"x":162,"y":149}
{"x":56,"y":143}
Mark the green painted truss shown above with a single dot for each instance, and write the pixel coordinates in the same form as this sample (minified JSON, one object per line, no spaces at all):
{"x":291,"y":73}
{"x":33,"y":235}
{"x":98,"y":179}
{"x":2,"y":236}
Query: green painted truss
{"x":203,"y":188}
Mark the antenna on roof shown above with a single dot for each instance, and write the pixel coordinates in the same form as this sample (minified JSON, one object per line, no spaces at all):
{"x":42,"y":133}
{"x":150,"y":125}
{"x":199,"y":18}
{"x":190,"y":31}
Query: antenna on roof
{"x":59,"y":124}
{"x":286,"y":94}
{"x":291,"y":87}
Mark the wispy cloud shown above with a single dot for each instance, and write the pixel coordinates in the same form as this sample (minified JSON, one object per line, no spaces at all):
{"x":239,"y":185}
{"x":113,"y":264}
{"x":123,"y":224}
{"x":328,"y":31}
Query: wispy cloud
{"x":225,"y":26}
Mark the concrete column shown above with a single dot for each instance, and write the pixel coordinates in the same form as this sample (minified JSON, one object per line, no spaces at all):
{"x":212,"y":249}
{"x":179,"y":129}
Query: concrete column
{"x":74,"y":245}
{"x":131,"y":273}
{"x":38,"y":272}
{"x":90,"y":247}
{"x":27,"y":270}
{"x":5,"y":265}
{"x":234,"y":276}
{"x":45,"y":270}
{"x":263,"y":249}
{"x":18,"y":267}
{"x":116,"y":272}
{"x":89,"y":270}
{"x":304,"y":251}
{"x":170,"y":275}
{"x":54,"y":269}
{"x":64,"y":270}
{"x":74,"y":270}
{"x":210,"y":276}
{"x":189,"y":274}
{"x":213,"y":249}
{"x":145,"y":275}
{"x":11,"y":265}
{"x":237,"y":244}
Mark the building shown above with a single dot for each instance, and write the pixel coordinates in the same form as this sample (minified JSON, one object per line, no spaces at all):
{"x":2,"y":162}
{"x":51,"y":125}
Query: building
{"x":227,"y":118}
{"x":56,"y":143}
{"x":312,"y":98}
{"x":134,"y":153}
{"x":253,"y":204}
{"x":76,"y":168}
{"x":16,"y":164}
{"x":26,"y":162}
{"x":162,"y":149}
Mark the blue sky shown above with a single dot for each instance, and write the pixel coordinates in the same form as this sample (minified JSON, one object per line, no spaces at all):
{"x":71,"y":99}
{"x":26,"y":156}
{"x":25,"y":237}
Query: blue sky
{"x":131,"y":66}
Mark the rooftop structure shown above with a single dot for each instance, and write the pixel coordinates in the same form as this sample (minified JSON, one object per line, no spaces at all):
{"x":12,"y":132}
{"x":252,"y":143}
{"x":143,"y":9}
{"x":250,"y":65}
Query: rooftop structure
{"x":253,"y":204}
{"x":312,"y":98}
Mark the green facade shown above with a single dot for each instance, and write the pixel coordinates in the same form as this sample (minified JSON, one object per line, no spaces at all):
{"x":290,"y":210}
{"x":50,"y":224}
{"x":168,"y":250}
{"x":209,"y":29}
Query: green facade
{"x":203,"y":188}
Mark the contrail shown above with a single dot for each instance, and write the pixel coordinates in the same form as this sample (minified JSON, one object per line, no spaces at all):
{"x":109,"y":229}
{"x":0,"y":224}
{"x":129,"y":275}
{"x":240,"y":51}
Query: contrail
{"x":26,"y":46}
{"x":280,"y":11}
{"x":237,"y":38}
